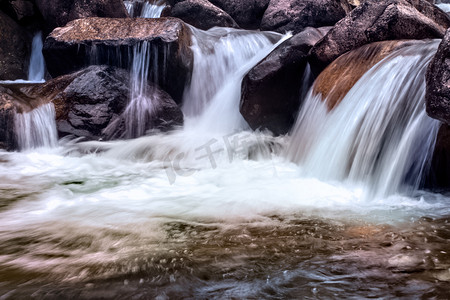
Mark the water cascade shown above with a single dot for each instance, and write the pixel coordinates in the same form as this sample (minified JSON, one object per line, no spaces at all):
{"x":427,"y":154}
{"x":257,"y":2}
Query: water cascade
{"x":36,"y":128}
{"x":145,"y":9}
{"x":379,"y":134}
{"x":36,"y":70}
{"x":222,"y":57}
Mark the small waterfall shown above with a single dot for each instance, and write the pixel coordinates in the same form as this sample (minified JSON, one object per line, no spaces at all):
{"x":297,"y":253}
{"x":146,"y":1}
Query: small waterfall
{"x":379,"y":134}
{"x":145,"y":9}
{"x":36,"y":70}
{"x":36,"y":128}
{"x":222,"y":57}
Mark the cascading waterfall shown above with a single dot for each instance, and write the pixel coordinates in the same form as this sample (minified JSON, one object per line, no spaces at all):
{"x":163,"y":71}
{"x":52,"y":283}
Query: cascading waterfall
{"x":36,"y":70}
{"x":222,"y":57}
{"x":36,"y":128}
{"x":145,"y":9}
{"x":379,"y":134}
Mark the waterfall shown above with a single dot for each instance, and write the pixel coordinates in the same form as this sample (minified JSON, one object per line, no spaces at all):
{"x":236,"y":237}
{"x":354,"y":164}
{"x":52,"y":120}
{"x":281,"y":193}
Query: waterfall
{"x":222,"y":57}
{"x":379,"y":134}
{"x":36,"y":70}
{"x":36,"y":128}
{"x":145,"y":9}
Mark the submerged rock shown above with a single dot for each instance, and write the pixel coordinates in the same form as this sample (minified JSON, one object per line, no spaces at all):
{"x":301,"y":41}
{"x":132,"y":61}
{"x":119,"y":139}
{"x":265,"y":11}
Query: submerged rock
{"x":14,"y":49}
{"x":57,"y":13}
{"x":247,"y":13}
{"x":271,"y":91}
{"x":295,"y":15}
{"x":374,"y":21}
{"x":437,"y":97}
{"x":111,"y":41}
{"x":202,"y":14}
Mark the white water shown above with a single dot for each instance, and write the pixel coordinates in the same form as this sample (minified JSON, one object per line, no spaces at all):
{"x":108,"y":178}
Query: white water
{"x":379,"y":134}
{"x":36,"y":128}
{"x":36,"y":70}
{"x":222,"y":57}
{"x":444,"y":6}
{"x":148,"y":9}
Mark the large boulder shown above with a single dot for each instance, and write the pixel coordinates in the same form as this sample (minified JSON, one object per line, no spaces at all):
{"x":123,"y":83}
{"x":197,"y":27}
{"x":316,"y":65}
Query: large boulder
{"x":271,"y":90}
{"x":202,"y":14}
{"x":14,"y":49}
{"x":57,"y":13}
{"x":295,"y":15}
{"x":247,"y":13}
{"x":437,"y":97}
{"x":376,"y":20}
{"x":92,"y":103}
{"x":112,"y":41}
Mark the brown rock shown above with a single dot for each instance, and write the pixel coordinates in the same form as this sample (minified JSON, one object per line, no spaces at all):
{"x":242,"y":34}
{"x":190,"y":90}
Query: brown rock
{"x":8,"y":110}
{"x":57,"y":13}
{"x":374,"y":21}
{"x":295,"y":15}
{"x":110,"y":41}
{"x":271,"y":91}
{"x":247,"y":13}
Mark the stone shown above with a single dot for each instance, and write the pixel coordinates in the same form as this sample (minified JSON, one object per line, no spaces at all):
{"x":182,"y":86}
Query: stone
{"x":271,"y":91}
{"x":202,"y":14}
{"x":57,"y":13}
{"x":374,"y":21}
{"x":247,"y":13}
{"x":14,"y":49}
{"x":8,"y":110}
{"x":101,"y":41}
{"x":437,"y":97}
{"x":295,"y":15}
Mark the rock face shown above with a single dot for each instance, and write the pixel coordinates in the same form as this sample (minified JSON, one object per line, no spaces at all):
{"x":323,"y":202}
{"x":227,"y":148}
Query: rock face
{"x":57,"y":13}
{"x":112,"y":41}
{"x":14,"y":49}
{"x":8,"y":110}
{"x":437,"y":97}
{"x":247,"y":13}
{"x":374,"y":21}
{"x":438,"y":176}
{"x":295,"y":15}
{"x":339,"y":77}
{"x":91,"y":103}
{"x":202,"y":14}
{"x":271,"y":90}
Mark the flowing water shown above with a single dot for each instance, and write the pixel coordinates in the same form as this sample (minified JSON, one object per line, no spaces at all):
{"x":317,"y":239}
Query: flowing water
{"x":36,"y":70}
{"x":215,"y":211}
{"x":145,"y":9}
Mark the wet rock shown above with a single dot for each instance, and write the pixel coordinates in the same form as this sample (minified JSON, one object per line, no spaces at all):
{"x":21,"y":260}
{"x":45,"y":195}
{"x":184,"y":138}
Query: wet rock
{"x":247,"y":13}
{"x":438,"y":176}
{"x":271,"y":90}
{"x":58,"y":13}
{"x":202,"y":14}
{"x":111,"y":41}
{"x":437,"y":97}
{"x":374,"y":21}
{"x":295,"y":15}
{"x":338,"y":78}
{"x":8,"y":110}
{"x":14,"y":49}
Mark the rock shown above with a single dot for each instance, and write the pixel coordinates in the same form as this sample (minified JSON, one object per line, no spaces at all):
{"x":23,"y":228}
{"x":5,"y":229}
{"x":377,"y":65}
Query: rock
{"x":8,"y":110}
{"x":437,"y":98}
{"x":271,"y":90}
{"x":111,"y":41}
{"x":338,"y":78}
{"x":247,"y":13}
{"x":14,"y":49}
{"x":23,"y":9}
{"x":91,"y":103}
{"x":374,"y":21}
{"x":57,"y":13}
{"x":202,"y":14}
{"x":438,"y":176}
{"x":295,"y":15}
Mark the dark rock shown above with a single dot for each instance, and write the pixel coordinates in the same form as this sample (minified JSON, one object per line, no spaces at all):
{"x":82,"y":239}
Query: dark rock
{"x":295,"y":15}
{"x":374,"y":21}
{"x":438,"y":177}
{"x":271,"y":90}
{"x":57,"y":13}
{"x":14,"y":49}
{"x":247,"y":13}
{"x":437,"y":97}
{"x":202,"y":14}
{"x":8,"y":110}
{"x":111,"y":41}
